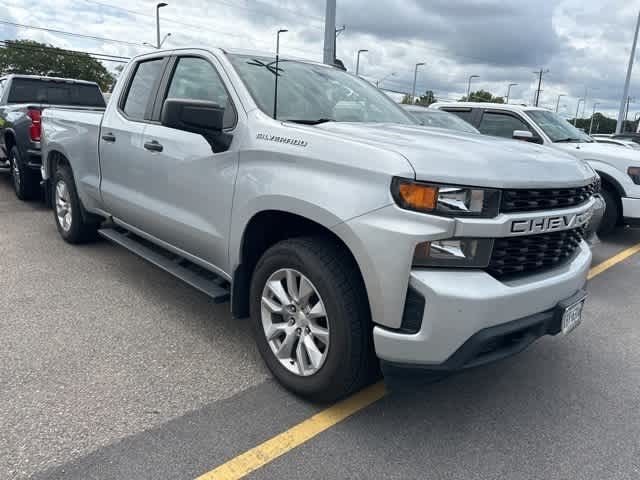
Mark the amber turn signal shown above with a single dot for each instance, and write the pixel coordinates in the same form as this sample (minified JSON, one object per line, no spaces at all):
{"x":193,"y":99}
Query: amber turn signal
{"x":418,"y":197}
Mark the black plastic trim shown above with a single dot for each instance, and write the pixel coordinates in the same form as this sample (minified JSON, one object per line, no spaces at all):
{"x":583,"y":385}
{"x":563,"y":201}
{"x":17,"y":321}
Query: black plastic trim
{"x":413,"y":312}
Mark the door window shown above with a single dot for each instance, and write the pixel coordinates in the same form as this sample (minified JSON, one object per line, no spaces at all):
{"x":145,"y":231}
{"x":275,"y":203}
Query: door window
{"x":142,"y":88}
{"x":501,"y":125}
{"x":196,"y":79}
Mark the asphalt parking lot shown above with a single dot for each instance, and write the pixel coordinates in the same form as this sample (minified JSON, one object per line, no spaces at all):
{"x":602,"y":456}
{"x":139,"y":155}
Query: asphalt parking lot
{"x":112,"y":369}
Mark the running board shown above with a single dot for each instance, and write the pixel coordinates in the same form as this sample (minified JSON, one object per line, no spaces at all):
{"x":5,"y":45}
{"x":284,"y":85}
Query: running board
{"x":207,"y":282}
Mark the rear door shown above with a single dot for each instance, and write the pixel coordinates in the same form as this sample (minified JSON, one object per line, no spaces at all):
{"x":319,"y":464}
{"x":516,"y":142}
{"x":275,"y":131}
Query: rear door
{"x":131,"y":179}
{"x":194,"y":204}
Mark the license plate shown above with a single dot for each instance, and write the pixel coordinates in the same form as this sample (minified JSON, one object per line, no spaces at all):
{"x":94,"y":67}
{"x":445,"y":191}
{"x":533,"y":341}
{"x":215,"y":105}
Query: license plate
{"x":572,"y":317}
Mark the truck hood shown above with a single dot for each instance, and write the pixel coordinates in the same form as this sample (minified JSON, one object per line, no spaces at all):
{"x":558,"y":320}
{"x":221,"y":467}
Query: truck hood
{"x":611,"y":154}
{"x":447,"y":156}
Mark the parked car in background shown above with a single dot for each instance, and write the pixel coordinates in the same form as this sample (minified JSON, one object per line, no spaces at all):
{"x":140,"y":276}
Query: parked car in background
{"x":619,"y":168}
{"x":22,"y":100}
{"x":620,"y":142}
{"x":634,"y":137}
{"x":430,"y":117}
{"x":340,"y":227}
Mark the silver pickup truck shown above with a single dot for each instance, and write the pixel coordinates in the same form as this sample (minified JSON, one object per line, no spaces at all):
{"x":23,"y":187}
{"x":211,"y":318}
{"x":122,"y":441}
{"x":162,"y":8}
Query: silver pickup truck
{"x":343,"y":229}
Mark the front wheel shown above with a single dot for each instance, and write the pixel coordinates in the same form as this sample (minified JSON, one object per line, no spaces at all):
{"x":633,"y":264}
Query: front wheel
{"x":611,"y":216}
{"x":71,"y":223}
{"x":311,"y":319}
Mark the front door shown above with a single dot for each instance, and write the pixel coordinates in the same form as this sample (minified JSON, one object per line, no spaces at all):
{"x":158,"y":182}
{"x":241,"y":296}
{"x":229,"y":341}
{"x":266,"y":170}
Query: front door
{"x":197,"y":177}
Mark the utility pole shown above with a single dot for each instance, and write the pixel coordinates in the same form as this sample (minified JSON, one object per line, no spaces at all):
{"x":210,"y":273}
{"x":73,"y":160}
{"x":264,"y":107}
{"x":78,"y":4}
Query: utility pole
{"x":575,"y":120}
{"x":509,"y":90}
{"x":415,"y":80}
{"x":159,"y":42}
{"x":540,"y":74}
{"x":558,"y":103}
{"x":595,"y":105}
{"x":626,"y":113}
{"x":627,"y":82}
{"x":329,"y":33}
{"x":275,"y":93}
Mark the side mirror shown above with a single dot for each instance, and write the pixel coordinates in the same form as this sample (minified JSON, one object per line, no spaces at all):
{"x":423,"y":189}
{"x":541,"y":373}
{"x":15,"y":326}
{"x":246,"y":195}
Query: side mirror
{"x":195,"y":116}
{"x":524,"y":135}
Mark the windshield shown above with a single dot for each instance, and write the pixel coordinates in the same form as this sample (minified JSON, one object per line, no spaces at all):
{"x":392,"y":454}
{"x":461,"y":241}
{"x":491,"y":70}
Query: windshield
{"x":441,"y":119}
{"x":557,"y":128}
{"x":311,"y":93}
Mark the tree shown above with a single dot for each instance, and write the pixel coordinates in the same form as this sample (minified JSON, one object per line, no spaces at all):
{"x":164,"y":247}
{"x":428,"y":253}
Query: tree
{"x":33,"y":58}
{"x":482,"y":96}
{"x":425,"y":100}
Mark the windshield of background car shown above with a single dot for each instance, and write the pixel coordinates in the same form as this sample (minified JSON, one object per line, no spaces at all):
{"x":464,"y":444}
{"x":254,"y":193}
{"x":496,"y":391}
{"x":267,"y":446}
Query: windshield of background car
{"x":557,"y":128}
{"x":309,"y":92}
{"x":441,"y":119}
{"x":54,"y":92}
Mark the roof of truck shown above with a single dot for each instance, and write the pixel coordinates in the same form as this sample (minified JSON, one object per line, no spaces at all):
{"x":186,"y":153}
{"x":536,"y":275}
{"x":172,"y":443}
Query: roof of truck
{"x":498,"y":106}
{"x":45,"y":78}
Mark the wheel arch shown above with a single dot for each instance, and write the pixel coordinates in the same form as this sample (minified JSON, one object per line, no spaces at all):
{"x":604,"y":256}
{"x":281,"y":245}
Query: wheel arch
{"x":265,"y":229}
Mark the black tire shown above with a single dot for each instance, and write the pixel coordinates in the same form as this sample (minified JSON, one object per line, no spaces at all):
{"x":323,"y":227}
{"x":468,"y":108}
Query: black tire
{"x":81,"y":228}
{"x":26,"y":182}
{"x":611,"y":217}
{"x":350,"y":361}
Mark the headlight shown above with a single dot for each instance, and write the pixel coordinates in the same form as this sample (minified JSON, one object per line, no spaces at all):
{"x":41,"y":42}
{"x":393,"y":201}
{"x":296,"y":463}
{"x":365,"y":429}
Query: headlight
{"x":634,"y":173}
{"x":448,"y":200}
{"x":458,"y":252}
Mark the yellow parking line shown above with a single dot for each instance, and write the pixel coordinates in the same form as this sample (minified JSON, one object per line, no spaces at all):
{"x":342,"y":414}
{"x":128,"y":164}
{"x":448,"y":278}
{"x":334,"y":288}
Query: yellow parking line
{"x":255,"y":458}
{"x":607,"y":264}
{"x":286,"y":441}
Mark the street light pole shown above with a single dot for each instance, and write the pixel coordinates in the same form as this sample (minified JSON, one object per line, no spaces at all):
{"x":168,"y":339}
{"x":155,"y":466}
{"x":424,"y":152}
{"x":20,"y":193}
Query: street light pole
{"x":469,"y":86}
{"x":558,"y":102}
{"x":595,"y":105}
{"x":275,"y":93}
{"x":358,"y":61}
{"x":627,"y":82}
{"x":415,"y":80}
{"x":158,"y":7}
{"x":509,"y":90}
{"x":575,"y":120}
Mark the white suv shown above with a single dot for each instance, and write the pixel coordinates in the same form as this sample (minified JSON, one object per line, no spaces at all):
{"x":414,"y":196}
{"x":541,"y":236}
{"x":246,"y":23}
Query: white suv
{"x":618,"y":168}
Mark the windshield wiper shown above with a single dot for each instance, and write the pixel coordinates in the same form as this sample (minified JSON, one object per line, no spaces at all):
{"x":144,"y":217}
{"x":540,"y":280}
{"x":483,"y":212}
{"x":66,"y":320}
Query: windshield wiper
{"x":567,"y":140}
{"x":311,"y":122}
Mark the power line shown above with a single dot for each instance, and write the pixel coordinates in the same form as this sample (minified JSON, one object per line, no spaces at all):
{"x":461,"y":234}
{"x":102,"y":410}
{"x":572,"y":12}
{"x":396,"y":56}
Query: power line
{"x":62,"y":32}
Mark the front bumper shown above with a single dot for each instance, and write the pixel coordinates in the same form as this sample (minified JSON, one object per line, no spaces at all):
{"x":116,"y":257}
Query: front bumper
{"x":461,"y":303}
{"x":631,"y":210}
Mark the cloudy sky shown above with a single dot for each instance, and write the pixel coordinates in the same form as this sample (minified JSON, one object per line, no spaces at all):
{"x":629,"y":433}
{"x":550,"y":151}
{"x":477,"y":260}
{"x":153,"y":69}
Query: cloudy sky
{"x":585,"y":44}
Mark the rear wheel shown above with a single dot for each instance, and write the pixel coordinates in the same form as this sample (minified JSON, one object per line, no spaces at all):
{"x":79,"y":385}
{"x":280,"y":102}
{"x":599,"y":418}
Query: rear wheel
{"x":26,"y":182}
{"x":310,"y":318}
{"x":611,"y":214}
{"x":72,"y":224}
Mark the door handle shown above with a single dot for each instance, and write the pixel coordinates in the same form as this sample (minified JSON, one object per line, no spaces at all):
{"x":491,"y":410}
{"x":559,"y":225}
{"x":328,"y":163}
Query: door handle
{"x":109,"y":137}
{"x":153,"y":146}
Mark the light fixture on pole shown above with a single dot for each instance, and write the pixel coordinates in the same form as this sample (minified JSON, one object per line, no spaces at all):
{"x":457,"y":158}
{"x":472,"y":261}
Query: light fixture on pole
{"x":509,"y":91}
{"x":358,"y":60}
{"x":415,"y":80}
{"x":575,"y":120}
{"x":277,"y":73}
{"x":595,"y":105}
{"x":558,"y":102}
{"x":378,"y":82}
{"x":469,"y":86}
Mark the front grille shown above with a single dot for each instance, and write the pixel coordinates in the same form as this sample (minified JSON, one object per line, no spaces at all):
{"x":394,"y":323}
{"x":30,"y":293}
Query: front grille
{"x":527,"y":200}
{"x":533,"y":253}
